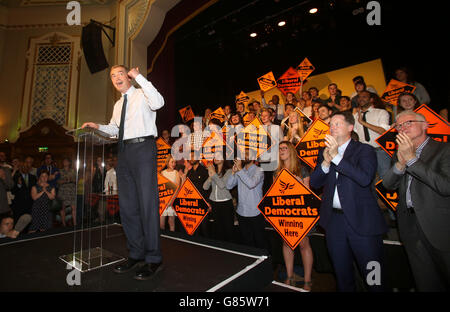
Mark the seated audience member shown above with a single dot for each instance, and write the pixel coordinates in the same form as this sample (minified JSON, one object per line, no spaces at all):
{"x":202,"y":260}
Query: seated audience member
{"x":6,"y":183}
{"x":421,"y":173}
{"x":370,"y":123}
{"x":173,"y":176}
{"x":404,"y":75}
{"x":42,"y":194}
{"x":23,"y":182}
{"x":220,"y":198}
{"x":7,"y":228}
{"x":334,"y":98}
{"x":407,"y":102}
{"x":288,"y":160}
{"x":249,"y":179}
{"x":349,"y":213}
{"x":325,"y":113}
{"x":67,"y":192}
{"x":52,"y":170}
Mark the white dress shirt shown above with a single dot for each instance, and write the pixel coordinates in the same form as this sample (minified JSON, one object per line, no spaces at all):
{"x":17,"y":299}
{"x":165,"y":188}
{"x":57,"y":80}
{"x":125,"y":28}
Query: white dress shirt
{"x":377,"y":117}
{"x":140,"y":117}
{"x":336,"y":160}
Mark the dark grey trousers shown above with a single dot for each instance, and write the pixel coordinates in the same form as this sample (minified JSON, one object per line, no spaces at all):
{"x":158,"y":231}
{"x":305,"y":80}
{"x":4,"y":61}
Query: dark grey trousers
{"x":139,"y":201}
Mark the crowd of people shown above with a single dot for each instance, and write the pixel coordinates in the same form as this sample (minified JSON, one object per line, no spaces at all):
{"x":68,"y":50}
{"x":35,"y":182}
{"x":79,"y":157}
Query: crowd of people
{"x":38,"y":199}
{"x":234,"y":187}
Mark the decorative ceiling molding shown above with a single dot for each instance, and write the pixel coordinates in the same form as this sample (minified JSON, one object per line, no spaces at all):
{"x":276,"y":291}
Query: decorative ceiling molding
{"x":136,"y":16}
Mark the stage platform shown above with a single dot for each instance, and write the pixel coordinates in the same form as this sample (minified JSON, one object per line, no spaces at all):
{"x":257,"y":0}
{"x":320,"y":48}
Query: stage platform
{"x":191,"y":264}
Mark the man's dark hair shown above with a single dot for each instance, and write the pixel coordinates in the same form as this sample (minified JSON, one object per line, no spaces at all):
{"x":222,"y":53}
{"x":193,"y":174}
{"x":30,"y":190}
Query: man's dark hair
{"x":358,"y":78}
{"x":324,"y":105}
{"x":289,"y":104}
{"x":347,"y":116}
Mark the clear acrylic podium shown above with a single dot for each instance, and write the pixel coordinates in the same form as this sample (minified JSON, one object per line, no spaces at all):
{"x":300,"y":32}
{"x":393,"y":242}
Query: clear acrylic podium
{"x":88,"y":252}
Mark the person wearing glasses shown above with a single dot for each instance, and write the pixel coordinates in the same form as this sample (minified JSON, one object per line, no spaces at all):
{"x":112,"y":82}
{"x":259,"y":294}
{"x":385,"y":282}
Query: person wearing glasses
{"x":421,"y":174}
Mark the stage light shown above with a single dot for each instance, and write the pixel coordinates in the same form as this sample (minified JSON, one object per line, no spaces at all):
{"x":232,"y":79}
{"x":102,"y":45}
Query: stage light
{"x":281,"y":23}
{"x":253,"y":35}
{"x":313,"y":11}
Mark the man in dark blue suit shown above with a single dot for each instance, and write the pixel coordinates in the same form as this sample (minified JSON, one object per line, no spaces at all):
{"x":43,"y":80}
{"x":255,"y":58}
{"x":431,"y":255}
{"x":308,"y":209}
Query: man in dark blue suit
{"x":349,"y":212}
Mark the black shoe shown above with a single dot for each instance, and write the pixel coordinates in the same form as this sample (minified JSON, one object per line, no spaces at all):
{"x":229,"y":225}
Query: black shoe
{"x":148,"y":270}
{"x":127,"y":266}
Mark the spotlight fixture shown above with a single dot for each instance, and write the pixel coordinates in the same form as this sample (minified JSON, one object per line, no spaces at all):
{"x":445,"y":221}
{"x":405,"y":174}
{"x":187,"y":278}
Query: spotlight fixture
{"x":281,"y":23}
{"x":253,"y":35}
{"x":313,"y":11}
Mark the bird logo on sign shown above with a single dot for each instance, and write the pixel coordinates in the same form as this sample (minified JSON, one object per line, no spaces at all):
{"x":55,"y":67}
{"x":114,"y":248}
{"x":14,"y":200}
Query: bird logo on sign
{"x":285,"y":186}
{"x":187,"y":192}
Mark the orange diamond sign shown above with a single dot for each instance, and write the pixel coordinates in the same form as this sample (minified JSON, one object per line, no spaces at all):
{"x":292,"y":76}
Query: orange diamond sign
{"x":190,"y":207}
{"x":389,"y":198}
{"x":394,"y":89}
{"x":290,"y":207}
{"x":167,"y":190}
{"x":267,"y":82}
{"x":312,"y":141}
{"x":305,"y":69}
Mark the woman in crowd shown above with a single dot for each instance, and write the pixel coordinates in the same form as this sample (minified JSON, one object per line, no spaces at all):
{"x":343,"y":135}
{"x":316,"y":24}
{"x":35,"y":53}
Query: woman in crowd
{"x":407,"y":102}
{"x":67,"y":191}
{"x":220,"y":199}
{"x":291,"y":99}
{"x":288,"y":160}
{"x":295,"y":129}
{"x":42,"y":194}
{"x":172,"y":175}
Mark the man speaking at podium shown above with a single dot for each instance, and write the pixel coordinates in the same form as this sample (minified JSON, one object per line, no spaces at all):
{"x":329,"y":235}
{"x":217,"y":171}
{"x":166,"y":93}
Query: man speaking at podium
{"x":133,"y":121}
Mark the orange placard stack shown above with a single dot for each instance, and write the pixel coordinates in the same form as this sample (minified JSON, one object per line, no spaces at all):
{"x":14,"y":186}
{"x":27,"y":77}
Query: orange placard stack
{"x":290,"y":207}
{"x":190,"y":206}
{"x":314,"y":139}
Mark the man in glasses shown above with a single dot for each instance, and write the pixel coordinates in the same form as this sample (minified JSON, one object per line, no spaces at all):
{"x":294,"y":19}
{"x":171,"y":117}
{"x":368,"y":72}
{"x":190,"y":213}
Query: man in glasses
{"x":422,"y":175}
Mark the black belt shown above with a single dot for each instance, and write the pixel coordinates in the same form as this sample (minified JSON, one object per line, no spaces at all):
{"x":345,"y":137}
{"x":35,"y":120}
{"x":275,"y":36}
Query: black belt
{"x":337,"y":210}
{"x":139,"y":140}
{"x":410,"y":210}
